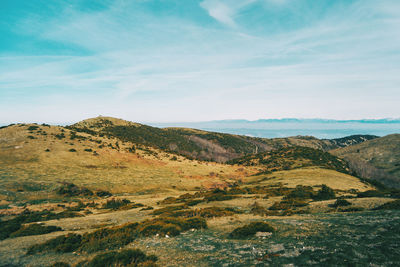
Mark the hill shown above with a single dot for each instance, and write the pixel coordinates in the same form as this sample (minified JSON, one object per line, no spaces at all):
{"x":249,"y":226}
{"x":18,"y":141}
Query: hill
{"x":293,"y":157}
{"x":198,"y":144}
{"x":36,"y":159}
{"x":92,"y":191}
{"x":377,"y":159}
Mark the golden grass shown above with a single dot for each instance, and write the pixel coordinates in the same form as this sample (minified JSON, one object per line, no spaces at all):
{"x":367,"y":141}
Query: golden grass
{"x":311,"y":176}
{"x":118,"y":171}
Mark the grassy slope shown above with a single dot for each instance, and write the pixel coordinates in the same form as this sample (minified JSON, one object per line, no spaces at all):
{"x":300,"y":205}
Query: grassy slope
{"x":27,"y":167}
{"x":291,"y":158}
{"x":376,"y":159}
{"x":200,"y":144}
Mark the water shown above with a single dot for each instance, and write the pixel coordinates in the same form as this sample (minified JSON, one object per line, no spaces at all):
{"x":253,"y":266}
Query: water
{"x":283,"y":128}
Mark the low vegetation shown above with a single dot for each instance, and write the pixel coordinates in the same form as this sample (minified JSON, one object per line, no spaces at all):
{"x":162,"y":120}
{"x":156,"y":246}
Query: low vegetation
{"x":70,"y":190}
{"x":119,"y":236}
{"x":35,"y":229}
{"x":251,"y":229}
{"x":9,"y":227}
{"x":127,"y":257}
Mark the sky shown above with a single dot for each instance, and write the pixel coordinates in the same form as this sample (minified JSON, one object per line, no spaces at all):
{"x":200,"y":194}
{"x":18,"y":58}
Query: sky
{"x":187,"y":60}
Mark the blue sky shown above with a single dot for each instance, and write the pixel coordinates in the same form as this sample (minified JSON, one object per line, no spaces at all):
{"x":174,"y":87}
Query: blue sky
{"x":170,"y":60}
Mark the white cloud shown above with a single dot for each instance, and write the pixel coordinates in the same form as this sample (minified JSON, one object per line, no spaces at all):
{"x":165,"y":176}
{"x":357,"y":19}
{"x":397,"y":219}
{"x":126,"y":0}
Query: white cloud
{"x":224,"y":11}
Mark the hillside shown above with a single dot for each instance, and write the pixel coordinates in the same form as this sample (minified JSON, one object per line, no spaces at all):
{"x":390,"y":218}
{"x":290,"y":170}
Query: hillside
{"x":37,"y":158}
{"x":200,"y":144}
{"x":93,"y":191}
{"x":293,"y":157}
{"x":377,"y":159}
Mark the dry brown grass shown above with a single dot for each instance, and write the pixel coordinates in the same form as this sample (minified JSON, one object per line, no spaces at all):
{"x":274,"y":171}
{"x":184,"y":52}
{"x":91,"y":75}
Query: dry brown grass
{"x":311,"y":176}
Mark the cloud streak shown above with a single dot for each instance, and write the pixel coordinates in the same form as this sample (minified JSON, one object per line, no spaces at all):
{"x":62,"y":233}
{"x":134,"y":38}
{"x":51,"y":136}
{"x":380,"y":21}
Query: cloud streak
{"x":225,"y":60}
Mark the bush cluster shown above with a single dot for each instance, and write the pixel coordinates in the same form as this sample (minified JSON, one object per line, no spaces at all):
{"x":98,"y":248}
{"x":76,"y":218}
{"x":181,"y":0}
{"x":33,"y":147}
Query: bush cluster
{"x":119,"y":236}
{"x":116,"y":204}
{"x":392,"y":205}
{"x":251,"y":229}
{"x":70,"y":190}
{"x":128,"y":257}
{"x":35,"y":229}
{"x":7,"y":228}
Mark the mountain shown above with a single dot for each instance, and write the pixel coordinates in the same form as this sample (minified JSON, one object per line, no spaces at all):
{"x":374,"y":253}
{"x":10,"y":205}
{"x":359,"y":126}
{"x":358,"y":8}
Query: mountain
{"x":199,"y":144}
{"x":377,"y":159}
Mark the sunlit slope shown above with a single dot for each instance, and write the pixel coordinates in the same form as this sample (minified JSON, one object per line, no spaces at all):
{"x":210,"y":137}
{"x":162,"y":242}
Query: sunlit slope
{"x":291,"y":158}
{"x":200,"y":144}
{"x":36,"y":157}
{"x":311,"y":176}
{"x":377,"y":159}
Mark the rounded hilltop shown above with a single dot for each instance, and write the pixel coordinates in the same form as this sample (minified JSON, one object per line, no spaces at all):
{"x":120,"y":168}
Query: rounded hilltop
{"x":102,"y":121}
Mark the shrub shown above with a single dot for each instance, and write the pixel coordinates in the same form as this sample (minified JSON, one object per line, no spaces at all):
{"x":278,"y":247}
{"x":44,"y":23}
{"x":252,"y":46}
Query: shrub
{"x":88,"y":150}
{"x":324,"y":193}
{"x":251,"y":229}
{"x":340,"y":203}
{"x":128,"y":257}
{"x":371,"y":193}
{"x":35,"y":229}
{"x":168,"y":210}
{"x":103,"y":193}
{"x":392,"y":205}
{"x":208,"y":212}
{"x":72,"y":150}
{"x":60,"y":264}
{"x":288,"y":204}
{"x":32,"y":128}
{"x":257,"y":209}
{"x":300,"y":192}
{"x":116,"y":204}
{"x":64,"y":243}
{"x":118,"y":236}
{"x":351,"y":209}
{"x":109,"y":238}
{"x":13,"y":225}
{"x":70,"y":190}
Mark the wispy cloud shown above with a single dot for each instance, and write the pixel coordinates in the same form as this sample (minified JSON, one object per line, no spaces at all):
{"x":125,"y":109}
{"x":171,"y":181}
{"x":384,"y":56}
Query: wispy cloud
{"x":224,"y":11}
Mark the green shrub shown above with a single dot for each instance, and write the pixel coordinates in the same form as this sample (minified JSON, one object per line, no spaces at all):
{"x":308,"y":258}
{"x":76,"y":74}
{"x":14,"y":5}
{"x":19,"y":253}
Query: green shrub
{"x":351,"y":209}
{"x":103,"y":193}
{"x":288,"y":204}
{"x":10,"y":226}
{"x":109,"y":238}
{"x":70,"y":190}
{"x":257,"y":209}
{"x":64,"y":243}
{"x":32,"y":128}
{"x":251,"y":229}
{"x":116,"y":204}
{"x":371,"y":193}
{"x":392,"y":205}
{"x":168,"y":210}
{"x":118,"y":236}
{"x":60,"y":264}
{"x":324,"y":193}
{"x":35,"y":229}
{"x":340,"y":203}
{"x":88,"y":150}
{"x":128,"y":257}
{"x":300,"y":192}
{"x":209,"y":212}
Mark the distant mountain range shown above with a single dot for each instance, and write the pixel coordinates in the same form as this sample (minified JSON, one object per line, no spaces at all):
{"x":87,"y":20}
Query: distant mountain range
{"x":273,"y":128}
